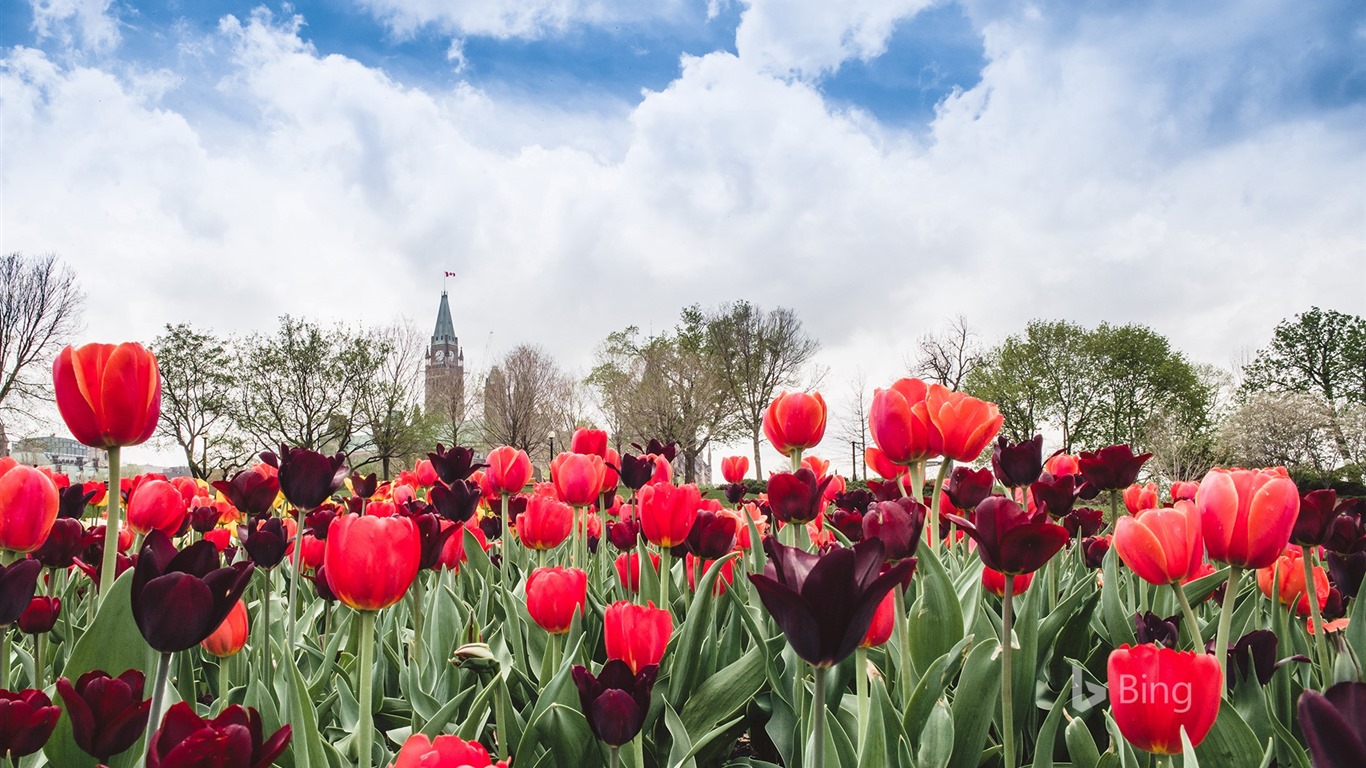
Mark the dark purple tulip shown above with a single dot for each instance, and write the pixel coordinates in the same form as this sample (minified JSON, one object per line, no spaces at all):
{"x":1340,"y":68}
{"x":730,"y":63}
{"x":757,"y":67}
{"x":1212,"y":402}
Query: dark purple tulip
{"x":320,"y":586}
{"x":1057,"y":494}
{"x":454,"y":465}
{"x":712,"y":535}
{"x":969,"y":487}
{"x":897,"y":524}
{"x":660,"y":448}
{"x":1083,"y":522}
{"x":516,"y":506}
{"x":319,"y":521}
{"x":456,"y":502}
{"x":623,"y":534}
{"x":107,"y":714}
{"x":89,"y":563}
{"x":1334,"y":725}
{"x":264,"y":540}
{"x":26,"y":721}
{"x":616,"y":701}
{"x":307,"y":478}
{"x":735,"y":492}
{"x":185,"y":739}
{"x":66,"y":540}
{"x":18,"y":582}
{"x":1093,"y":550}
{"x":432,"y":537}
{"x":856,"y":500}
{"x":1254,"y":652}
{"x":636,"y":471}
{"x":73,"y":502}
{"x":1335,"y":606}
{"x":825,"y":602}
{"x":796,"y":497}
{"x":364,"y":487}
{"x":1112,"y":468}
{"x":252,"y":492}
{"x":1011,"y":540}
{"x":180,"y":598}
{"x":41,"y":615}
{"x":1151,"y":628}
{"x":849,"y":523}
{"x":1315,"y":520}
{"x":492,"y":526}
{"x":885,"y":490}
{"x":1017,"y":465}
{"x":203,"y":519}
{"x":1347,"y":571}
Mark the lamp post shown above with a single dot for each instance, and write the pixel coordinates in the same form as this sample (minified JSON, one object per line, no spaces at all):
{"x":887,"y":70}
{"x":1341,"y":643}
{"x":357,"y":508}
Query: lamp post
{"x":552,"y":451}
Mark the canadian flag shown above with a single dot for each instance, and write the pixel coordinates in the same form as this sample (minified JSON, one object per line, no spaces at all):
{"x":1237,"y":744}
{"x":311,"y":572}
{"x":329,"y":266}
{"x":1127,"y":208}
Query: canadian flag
{"x":450,"y":274}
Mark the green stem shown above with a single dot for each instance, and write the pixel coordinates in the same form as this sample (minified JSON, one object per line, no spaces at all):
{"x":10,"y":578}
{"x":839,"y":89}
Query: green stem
{"x":574,"y":540}
{"x":638,"y":747}
{"x":903,"y":641}
{"x":818,"y":718}
{"x":613,"y":759}
{"x":861,"y":690}
{"x":39,"y":656}
{"x":111,"y":526}
{"x":665,"y":571}
{"x":366,"y":729}
{"x":6,"y":641}
{"x":1007,"y":694}
{"x":1226,"y":621}
{"x":1320,"y":641}
{"x":265,"y":627}
{"x":418,"y":599}
{"x":796,"y":457}
{"x":945,"y":465}
{"x":1114,"y":509}
{"x":224,"y":685}
{"x":158,"y":693}
{"x":506,"y":539}
{"x":1191,"y":623}
{"x":298,"y":564}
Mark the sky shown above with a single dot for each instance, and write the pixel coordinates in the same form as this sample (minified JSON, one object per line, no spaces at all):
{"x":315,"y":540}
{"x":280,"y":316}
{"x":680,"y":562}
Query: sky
{"x":879,"y":166}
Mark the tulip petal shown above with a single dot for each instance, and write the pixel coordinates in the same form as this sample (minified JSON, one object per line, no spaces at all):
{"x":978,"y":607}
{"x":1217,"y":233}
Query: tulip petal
{"x":793,"y":615}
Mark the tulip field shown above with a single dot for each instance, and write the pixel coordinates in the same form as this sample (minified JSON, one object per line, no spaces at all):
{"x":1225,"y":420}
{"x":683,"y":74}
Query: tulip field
{"x":984,"y":603}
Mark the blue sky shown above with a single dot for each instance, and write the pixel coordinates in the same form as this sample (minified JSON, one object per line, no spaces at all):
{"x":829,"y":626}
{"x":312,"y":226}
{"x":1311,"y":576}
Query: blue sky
{"x":879,"y":166}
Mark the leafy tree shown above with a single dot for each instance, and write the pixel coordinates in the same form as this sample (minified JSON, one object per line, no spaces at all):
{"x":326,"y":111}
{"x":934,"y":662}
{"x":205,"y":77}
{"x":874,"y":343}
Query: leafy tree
{"x":1321,"y":352}
{"x":199,"y":387}
{"x":753,"y":352}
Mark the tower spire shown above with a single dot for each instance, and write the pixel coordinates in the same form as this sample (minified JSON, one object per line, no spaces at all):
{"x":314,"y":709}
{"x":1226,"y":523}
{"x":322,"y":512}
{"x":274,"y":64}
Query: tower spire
{"x":445,"y":329}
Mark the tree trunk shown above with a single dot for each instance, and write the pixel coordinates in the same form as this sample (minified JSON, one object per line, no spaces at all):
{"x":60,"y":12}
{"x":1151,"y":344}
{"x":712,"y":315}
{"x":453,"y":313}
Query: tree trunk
{"x":758,"y":463}
{"x":384,"y":463}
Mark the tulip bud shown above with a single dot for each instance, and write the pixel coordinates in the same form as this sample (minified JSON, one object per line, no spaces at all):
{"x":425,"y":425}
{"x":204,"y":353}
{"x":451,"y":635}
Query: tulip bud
{"x":41,"y":615}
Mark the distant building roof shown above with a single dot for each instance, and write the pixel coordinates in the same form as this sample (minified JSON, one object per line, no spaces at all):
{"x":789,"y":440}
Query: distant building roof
{"x":445,"y":329}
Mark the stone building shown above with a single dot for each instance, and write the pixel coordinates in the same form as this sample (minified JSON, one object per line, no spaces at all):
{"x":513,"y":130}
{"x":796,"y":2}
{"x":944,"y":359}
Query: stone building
{"x":444,"y":382}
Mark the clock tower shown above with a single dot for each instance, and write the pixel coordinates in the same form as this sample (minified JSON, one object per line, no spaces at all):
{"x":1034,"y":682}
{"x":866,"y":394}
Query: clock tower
{"x":445,"y":372}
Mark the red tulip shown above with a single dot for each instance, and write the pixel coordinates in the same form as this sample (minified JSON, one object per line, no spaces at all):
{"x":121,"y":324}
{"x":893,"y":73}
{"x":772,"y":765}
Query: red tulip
{"x":554,"y":595}
{"x":156,"y":506}
{"x":994,"y":582}
{"x":611,"y":475}
{"x":107,"y":714}
{"x":628,"y":569}
{"x":26,"y":721}
{"x":636,"y":634}
{"x":1182,"y":490}
{"x":667,"y":512}
{"x":695,"y":568}
{"x":880,"y":464}
{"x":965,"y":423}
{"x":1010,"y":539}
{"x":545,"y":524}
{"x":880,"y":631}
{"x":1162,"y":546}
{"x":234,"y":738}
{"x":371,"y":561}
{"x":443,"y":752}
{"x":1284,"y":580}
{"x":41,"y":615}
{"x":577,"y":477}
{"x":900,"y":423}
{"x":1060,"y":464}
{"x":1247,"y":514}
{"x":453,"y":551}
{"x":795,"y":421}
{"x":28,"y":508}
{"x":108,"y":395}
{"x":509,"y":470}
{"x":734,"y":468}
{"x":1155,"y":692}
{"x":1138,"y":498}
{"x":589,"y":441}
{"x":231,"y":635}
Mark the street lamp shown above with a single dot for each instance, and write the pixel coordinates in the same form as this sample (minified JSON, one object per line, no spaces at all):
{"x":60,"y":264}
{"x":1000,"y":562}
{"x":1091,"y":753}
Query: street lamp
{"x":552,"y":447}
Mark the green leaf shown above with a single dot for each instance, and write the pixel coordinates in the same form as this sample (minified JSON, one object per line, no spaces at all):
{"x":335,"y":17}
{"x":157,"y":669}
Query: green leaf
{"x":1230,"y":743}
{"x":975,"y":702}
{"x":936,"y":618}
{"x":305,"y":743}
{"x":725,"y":693}
{"x":1081,"y":746}
{"x":931,"y":687}
{"x":1203,"y":587}
{"x":1048,"y":734}
{"x":1188,"y":758}
{"x":936,"y":740}
{"x":697,"y":624}
{"x":1118,"y":617}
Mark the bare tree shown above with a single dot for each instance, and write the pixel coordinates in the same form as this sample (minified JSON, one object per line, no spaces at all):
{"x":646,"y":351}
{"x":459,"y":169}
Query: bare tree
{"x":198,"y":389}
{"x":522,"y":395}
{"x":40,"y":306}
{"x":947,"y":357}
{"x":854,"y":424}
{"x":753,"y":352}
{"x":387,"y":401}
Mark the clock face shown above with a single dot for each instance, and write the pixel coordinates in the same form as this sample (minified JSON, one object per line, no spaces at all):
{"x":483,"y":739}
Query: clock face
{"x":439,"y":356}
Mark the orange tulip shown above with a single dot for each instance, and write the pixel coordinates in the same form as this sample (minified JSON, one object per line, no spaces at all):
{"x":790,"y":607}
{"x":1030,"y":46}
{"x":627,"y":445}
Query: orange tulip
{"x":231,"y":635}
{"x":795,"y":421}
{"x":109,"y":395}
{"x":900,"y":423}
{"x":1284,"y":580}
{"x":734,"y":468}
{"x":156,"y":505}
{"x":1162,"y":546}
{"x":28,"y":508}
{"x":1138,"y":498}
{"x":965,"y":423}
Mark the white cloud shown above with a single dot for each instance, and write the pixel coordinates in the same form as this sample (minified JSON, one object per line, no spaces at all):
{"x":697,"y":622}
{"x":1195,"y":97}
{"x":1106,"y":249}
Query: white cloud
{"x":1103,"y":169}
{"x":92,"y":25}
{"x":810,"y":37}
{"x":529,"y":19}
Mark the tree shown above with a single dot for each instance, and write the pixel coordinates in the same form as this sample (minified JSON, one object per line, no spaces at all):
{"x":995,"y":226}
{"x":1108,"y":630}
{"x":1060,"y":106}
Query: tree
{"x":1321,"y":352}
{"x":302,"y":386}
{"x":40,"y":306}
{"x":1287,"y":429}
{"x":387,"y":399}
{"x":198,"y":391}
{"x":521,"y":397}
{"x":854,"y":424}
{"x":948,"y":357}
{"x":1139,"y":375}
{"x":752,"y":353}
